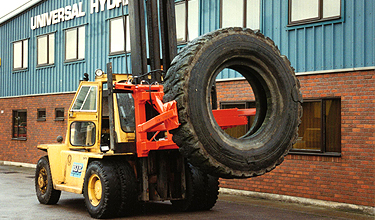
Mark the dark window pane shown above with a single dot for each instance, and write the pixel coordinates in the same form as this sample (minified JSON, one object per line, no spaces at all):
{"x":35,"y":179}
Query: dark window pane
{"x":59,"y":114}
{"x":333,"y":125}
{"x":309,"y":132}
{"x":19,"y":124}
{"x":41,"y":115}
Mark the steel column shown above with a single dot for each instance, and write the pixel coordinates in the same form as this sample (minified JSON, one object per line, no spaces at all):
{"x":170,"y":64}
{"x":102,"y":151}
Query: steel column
{"x":168,"y":31}
{"x":137,"y":37}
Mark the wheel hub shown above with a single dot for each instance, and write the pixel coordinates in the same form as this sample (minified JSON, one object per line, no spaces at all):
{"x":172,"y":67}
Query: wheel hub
{"x":42,"y":180}
{"x":94,"y":190}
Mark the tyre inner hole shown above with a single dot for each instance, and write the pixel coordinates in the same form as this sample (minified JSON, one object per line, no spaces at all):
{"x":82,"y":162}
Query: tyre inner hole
{"x":245,"y":93}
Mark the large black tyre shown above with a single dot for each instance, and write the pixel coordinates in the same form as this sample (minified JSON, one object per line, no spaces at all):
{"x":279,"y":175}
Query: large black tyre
{"x":201,"y":191}
{"x":278,"y":103}
{"x":211,"y":192}
{"x":45,"y":192}
{"x":102,"y":189}
{"x":129,"y":186}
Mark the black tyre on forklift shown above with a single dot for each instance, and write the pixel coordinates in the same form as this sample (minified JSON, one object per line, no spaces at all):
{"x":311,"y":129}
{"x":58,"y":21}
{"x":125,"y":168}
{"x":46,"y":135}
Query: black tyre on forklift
{"x":278,"y":100}
{"x":201,"y":191}
{"x":128,"y":181}
{"x":102,"y":189}
{"x":45,"y":192}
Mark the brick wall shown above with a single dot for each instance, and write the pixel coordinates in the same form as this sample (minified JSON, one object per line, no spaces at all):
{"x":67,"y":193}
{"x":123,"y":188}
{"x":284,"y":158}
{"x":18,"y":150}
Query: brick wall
{"x":38,"y":132}
{"x":349,"y":178}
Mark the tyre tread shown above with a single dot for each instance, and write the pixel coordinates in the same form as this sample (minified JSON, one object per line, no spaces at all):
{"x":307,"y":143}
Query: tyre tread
{"x":184,"y":136}
{"x":52,"y":196}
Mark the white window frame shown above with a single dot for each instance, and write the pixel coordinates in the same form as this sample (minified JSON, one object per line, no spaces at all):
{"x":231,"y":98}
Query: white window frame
{"x":117,"y":33}
{"x":50,"y":47}
{"x":79,"y":48}
{"x":23,"y":56}
{"x":249,"y":18}
{"x":323,"y":11}
{"x":190,"y":20}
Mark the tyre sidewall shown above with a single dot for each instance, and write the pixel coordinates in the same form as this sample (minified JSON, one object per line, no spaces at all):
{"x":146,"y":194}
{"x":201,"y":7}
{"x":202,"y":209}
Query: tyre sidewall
{"x":46,"y":197}
{"x":258,"y":151}
{"x":92,"y":169}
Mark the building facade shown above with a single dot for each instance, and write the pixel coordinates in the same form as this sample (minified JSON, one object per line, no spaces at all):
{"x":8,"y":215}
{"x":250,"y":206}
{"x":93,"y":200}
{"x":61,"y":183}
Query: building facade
{"x":47,"y":45}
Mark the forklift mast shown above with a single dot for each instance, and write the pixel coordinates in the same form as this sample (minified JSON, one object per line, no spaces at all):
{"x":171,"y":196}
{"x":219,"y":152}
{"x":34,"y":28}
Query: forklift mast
{"x":140,"y":72}
{"x":162,"y":45}
{"x":166,"y":46}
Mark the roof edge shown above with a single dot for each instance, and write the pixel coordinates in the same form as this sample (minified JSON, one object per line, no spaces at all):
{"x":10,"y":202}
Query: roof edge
{"x":19,"y":10}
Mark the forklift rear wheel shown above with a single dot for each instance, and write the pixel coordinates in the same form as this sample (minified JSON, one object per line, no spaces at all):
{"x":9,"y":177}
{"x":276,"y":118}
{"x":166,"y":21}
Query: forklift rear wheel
{"x":190,"y":80}
{"x":101,"y":189}
{"x":201,"y":191}
{"x":128,"y":188}
{"x":43,"y":183}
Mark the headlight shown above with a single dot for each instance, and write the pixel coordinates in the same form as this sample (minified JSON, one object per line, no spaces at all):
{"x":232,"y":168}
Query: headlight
{"x":98,"y":72}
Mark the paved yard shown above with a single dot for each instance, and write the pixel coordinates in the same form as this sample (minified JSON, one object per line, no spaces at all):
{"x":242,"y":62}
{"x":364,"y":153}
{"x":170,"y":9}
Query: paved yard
{"x":18,"y":201}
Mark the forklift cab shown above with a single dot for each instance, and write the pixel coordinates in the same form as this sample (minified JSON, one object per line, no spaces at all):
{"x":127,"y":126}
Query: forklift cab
{"x":89,"y":117}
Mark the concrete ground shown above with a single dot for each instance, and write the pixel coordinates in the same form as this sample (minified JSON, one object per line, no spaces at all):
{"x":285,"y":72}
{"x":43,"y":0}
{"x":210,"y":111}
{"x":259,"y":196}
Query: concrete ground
{"x":18,"y":201}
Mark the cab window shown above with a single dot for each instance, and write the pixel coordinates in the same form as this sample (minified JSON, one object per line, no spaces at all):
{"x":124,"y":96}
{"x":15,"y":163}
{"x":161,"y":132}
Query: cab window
{"x":126,"y":110}
{"x":82,"y":133}
{"x":86,"y":99}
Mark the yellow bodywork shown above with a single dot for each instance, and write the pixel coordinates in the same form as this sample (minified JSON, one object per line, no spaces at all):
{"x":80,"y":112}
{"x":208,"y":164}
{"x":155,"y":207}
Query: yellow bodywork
{"x":69,"y":160}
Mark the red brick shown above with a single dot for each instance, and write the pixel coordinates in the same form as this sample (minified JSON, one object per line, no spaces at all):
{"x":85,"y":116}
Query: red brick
{"x":349,"y":178}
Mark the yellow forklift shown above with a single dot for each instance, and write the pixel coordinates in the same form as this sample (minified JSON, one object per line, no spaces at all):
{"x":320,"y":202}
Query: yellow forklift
{"x":157,"y":134}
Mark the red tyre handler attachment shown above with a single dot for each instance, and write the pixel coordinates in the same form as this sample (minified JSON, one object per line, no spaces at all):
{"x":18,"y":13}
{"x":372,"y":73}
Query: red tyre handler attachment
{"x":168,"y":117}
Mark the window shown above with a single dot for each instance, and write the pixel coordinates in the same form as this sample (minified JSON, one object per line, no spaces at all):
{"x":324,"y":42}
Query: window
{"x":59,"y":114}
{"x":240,"y":130}
{"x":20,"y":54}
{"x":86,"y":99}
{"x":41,"y":114}
{"x":116,"y":30}
{"x":75,"y":44}
{"x":19,"y":124}
{"x":240,"y":13}
{"x":126,"y":110}
{"x":46,"y":49}
{"x":187,"y":18}
{"x":320,"y":130}
{"x":82,"y":133}
{"x":309,"y":11}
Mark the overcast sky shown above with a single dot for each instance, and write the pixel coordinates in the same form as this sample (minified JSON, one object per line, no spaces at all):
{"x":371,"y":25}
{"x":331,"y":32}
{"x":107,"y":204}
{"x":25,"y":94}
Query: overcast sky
{"x":10,"y":5}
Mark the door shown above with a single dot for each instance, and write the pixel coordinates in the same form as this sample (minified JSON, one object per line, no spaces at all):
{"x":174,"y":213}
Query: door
{"x":84,"y":127}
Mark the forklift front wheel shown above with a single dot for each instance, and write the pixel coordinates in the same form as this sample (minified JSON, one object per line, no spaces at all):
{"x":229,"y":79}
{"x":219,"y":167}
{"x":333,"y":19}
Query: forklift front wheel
{"x":43,"y":183}
{"x":102,"y":189}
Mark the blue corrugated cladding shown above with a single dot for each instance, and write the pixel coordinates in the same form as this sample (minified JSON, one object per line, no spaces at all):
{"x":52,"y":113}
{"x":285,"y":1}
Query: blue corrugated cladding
{"x":337,"y":44}
{"x":348,"y":42}
{"x":344,"y":43}
{"x":61,"y":77}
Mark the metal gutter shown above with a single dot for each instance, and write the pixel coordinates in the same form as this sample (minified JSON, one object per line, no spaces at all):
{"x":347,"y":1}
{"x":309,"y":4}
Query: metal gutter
{"x":355,"y":69}
{"x":42,"y":94}
{"x":19,"y":10}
